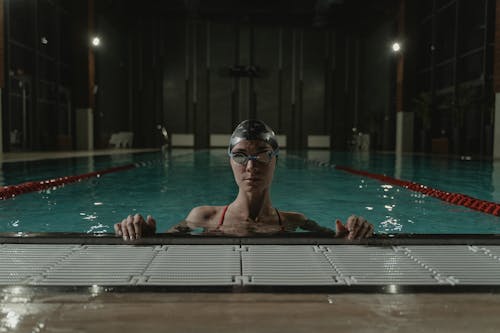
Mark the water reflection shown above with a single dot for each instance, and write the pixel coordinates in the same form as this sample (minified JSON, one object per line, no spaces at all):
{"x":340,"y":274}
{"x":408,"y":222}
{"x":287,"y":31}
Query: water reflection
{"x":495,"y":180}
{"x":391,"y":224}
{"x":2,"y":179}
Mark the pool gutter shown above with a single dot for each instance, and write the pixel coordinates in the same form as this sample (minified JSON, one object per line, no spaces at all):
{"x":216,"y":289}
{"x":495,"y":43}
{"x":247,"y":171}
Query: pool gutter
{"x":362,"y":262}
{"x":288,"y":239}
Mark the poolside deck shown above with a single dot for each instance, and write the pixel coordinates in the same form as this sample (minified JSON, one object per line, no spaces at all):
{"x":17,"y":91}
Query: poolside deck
{"x":90,"y":285}
{"x":53,"y":311}
{"x":245,"y":267}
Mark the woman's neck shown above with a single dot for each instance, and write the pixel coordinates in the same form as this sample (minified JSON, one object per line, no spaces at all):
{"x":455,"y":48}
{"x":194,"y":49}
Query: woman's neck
{"x":253,"y":205}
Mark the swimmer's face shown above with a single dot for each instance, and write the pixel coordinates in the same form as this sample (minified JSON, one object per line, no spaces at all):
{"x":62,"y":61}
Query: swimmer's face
{"x":256,"y":173}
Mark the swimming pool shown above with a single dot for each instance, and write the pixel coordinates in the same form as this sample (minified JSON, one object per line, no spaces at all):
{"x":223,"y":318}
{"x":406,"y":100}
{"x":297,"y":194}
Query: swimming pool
{"x":168,"y":187}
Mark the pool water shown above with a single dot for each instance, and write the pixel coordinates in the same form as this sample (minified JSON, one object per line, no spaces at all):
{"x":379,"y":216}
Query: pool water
{"x":170,"y":186}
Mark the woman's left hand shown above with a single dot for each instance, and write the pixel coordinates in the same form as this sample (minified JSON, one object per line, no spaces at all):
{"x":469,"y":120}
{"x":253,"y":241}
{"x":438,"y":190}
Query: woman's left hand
{"x":356,"y":227}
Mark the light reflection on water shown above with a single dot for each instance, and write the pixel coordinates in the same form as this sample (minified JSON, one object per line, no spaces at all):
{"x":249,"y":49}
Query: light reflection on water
{"x":168,"y":190}
{"x":391,"y":225}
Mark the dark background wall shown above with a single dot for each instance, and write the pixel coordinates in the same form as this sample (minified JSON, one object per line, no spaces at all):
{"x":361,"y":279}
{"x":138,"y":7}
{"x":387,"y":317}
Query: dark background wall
{"x":376,"y":101}
{"x":189,"y":74}
{"x":305,"y":67}
{"x":454,"y":75}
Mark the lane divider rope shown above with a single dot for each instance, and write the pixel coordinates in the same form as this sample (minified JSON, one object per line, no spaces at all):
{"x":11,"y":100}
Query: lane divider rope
{"x":11,"y":191}
{"x":483,"y":206}
{"x":8,"y":192}
{"x":458,"y":199}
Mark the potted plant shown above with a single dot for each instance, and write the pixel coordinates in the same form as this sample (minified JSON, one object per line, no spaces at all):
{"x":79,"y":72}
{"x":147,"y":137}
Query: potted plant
{"x":422,"y":106}
{"x":465,"y":99}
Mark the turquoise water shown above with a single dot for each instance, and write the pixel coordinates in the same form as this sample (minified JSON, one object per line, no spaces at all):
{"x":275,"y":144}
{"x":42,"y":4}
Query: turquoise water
{"x":170,"y":186}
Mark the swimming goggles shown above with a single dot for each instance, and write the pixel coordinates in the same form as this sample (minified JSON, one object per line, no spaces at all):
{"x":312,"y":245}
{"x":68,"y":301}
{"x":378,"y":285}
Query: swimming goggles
{"x":264,"y":157}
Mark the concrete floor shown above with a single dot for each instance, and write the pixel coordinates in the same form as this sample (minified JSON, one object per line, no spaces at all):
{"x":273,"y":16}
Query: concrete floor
{"x":247,"y":312}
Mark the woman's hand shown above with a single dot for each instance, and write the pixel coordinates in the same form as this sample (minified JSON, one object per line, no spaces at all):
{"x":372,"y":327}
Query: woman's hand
{"x":357,"y":227}
{"x":134,"y":227}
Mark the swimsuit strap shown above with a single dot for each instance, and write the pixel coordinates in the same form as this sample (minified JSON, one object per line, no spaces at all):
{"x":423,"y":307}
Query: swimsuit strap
{"x":279,"y":220}
{"x":279,"y":217}
{"x":221,"y":221}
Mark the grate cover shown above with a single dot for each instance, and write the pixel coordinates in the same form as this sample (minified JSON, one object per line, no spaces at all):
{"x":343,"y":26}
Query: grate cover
{"x":249,"y":265}
{"x":194,"y":265}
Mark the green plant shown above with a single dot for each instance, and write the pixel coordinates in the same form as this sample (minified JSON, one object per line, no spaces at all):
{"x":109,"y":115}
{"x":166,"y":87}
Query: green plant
{"x":422,"y":105}
{"x":465,"y":100}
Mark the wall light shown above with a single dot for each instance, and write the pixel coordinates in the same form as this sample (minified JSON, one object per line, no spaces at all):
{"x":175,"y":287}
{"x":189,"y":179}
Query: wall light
{"x":396,"y":47}
{"x":96,"y":41}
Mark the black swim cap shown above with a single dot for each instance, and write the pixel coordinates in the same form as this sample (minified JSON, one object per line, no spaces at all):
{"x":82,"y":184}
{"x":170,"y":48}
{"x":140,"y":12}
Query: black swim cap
{"x":253,"y":130}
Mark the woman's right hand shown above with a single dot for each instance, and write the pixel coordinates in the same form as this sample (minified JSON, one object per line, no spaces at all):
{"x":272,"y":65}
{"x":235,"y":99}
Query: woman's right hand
{"x":135,"y":227}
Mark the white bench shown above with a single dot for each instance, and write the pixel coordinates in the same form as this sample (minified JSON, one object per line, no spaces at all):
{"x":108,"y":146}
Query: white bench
{"x":122,"y":139}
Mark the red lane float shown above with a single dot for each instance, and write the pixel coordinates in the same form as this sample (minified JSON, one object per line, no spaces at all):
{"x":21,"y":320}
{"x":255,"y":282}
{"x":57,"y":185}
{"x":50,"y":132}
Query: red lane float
{"x":11,"y":191}
{"x":484,"y":206}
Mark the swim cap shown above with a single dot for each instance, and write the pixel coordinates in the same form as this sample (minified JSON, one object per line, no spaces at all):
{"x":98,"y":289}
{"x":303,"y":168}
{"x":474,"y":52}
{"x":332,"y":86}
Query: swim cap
{"x":253,"y":130}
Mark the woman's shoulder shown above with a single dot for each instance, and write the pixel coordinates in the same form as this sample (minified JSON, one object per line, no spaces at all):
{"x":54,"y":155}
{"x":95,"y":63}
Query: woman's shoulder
{"x":293,"y":217}
{"x":203,"y":213}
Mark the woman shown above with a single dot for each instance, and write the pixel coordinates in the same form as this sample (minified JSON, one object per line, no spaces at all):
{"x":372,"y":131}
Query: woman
{"x":253,"y":150}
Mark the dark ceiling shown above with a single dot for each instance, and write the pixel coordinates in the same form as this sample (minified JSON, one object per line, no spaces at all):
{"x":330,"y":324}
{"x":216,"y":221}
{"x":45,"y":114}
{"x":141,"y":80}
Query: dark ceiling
{"x":352,"y":14}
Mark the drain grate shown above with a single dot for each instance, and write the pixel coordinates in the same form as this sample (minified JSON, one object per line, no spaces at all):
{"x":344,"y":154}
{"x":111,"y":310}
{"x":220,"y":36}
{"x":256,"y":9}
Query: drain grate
{"x":249,"y":265}
{"x":287,"y":265}
{"x":363,"y":265}
{"x":20,"y":264}
{"x":464,"y":265}
{"x":194,"y":265}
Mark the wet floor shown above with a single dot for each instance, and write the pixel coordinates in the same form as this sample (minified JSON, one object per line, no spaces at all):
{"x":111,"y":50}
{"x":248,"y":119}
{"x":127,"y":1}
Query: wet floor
{"x":24,"y":311}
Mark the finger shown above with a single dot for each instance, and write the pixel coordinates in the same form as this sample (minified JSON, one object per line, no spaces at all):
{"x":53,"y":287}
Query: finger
{"x":123,"y":228}
{"x":369,"y":232}
{"x":118,"y":229}
{"x":352,"y":222}
{"x":138,"y":222}
{"x":360,"y":228}
{"x":362,"y":231}
{"x":354,"y":226}
{"x":151,"y":223}
{"x":340,"y":229}
{"x":129,"y":228}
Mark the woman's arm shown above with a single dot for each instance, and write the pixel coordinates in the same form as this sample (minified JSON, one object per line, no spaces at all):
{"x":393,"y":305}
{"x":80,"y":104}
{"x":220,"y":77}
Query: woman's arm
{"x":196,"y":218}
{"x":313,"y":226}
{"x":181,"y":227}
{"x":135,"y":227}
{"x":356,"y":227}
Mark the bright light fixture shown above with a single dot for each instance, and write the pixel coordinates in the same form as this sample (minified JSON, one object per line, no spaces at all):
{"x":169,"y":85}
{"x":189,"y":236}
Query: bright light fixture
{"x":396,"y":47}
{"x":96,"y":41}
